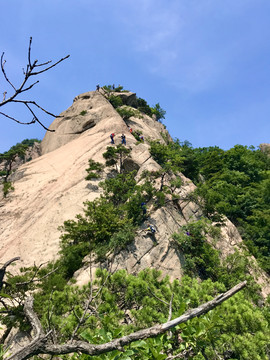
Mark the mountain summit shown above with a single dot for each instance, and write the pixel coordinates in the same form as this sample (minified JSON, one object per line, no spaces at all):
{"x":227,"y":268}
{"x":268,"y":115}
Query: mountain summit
{"x":52,"y":189}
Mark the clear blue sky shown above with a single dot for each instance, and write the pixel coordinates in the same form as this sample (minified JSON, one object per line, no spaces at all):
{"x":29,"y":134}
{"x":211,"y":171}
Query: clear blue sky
{"x":207,"y":62}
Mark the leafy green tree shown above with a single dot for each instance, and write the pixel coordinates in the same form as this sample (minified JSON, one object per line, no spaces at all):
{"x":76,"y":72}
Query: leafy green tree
{"x":116,"y":156}
{"x":9,"y":157}
{"x":126,"y":112}
{"x":201,"y":258}
{"x":94,"y":170}
{"x":158,"y":112}
{"x":116,"y":101}
{"x":144,"y":107}
{"x":119,"y":188}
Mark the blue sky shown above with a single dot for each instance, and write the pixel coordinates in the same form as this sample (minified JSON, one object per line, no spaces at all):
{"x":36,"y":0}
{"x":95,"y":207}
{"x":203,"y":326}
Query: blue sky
{"x":205,"y":61}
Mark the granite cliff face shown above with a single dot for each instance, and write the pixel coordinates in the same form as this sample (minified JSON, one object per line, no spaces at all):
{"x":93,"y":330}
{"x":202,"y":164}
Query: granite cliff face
{"x":52,"y":188}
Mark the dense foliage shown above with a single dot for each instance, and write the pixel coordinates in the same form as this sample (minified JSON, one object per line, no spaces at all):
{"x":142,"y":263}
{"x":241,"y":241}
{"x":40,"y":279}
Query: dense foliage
{"x":123,"y":303}
{"x":234,"y":183}
{"x":141,"y":105}
{"x":116,"y":304}
{"x":8,"y":159}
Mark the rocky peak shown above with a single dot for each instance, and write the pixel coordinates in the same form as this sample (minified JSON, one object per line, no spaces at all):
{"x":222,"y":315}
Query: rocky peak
{"x":52,"y":188}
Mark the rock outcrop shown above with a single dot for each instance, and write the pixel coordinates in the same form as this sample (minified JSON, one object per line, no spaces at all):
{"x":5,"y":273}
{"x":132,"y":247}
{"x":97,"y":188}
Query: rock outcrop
{"x":265,"y":148}
{"x":52,"y":188}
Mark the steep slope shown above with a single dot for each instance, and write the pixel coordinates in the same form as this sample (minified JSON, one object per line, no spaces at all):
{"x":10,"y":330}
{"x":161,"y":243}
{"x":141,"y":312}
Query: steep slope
{"x":52,"y":189}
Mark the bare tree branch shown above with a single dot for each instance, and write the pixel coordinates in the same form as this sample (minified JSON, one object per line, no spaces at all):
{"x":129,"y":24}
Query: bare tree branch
{"x":16,"y":120}
{"x":40,"y":344}
{"x":3,"y":269}
{"x":31,"y":70}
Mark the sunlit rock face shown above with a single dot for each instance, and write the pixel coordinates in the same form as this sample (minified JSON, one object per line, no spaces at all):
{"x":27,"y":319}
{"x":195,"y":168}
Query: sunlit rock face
{"x":52,"y":188}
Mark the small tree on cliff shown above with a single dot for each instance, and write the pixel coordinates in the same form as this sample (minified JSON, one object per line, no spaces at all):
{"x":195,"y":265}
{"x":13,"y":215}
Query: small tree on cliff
{"x":116,"y":156}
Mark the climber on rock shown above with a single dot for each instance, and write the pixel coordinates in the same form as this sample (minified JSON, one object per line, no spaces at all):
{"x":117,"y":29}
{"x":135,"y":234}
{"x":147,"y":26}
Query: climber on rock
{"x":151,"y":231}
{"x":143,"y":207}
{"x":123,"y":137}
{"x":112,"y":138}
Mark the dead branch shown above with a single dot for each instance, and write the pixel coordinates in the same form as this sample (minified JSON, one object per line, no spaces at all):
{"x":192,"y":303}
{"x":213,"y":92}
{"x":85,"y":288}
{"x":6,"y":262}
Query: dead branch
{"x":32,"y":69}
{"x":41,"y":345}
{"x":3,"y":269}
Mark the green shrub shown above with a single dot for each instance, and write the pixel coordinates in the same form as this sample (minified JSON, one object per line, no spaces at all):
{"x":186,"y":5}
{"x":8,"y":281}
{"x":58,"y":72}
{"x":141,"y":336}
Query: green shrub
{"x":94,"y":170}
{"x":116,"y":101}
{"x":84,"y":112}
{"x":137,"y":134}
{"x":125,"y":112}
{"x":144,"y":107}
{"x":158,"y":112}
{"x":111,"y":88}
{"x":200,"y":257}
{"x":116,"y":155}
{"x":122,"y":238}
{"x":30,"y":142}
{"x":7,"y":187}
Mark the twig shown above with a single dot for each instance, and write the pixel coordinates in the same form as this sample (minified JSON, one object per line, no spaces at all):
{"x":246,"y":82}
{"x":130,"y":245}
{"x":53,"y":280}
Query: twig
{"x":23,"y":88}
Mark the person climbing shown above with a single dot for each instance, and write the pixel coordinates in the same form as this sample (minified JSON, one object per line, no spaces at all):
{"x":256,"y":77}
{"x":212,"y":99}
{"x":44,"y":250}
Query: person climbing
{"x":143,"y":207}
{"x":123,"y":137}
{"x":151,"y":231}
{"x":113,"y":87}
{"x":130,"y":130}
{"x":112,"y":138}
{"x":142,"y":138}
{"x":98,"y":87}
{"x":151,"y":228}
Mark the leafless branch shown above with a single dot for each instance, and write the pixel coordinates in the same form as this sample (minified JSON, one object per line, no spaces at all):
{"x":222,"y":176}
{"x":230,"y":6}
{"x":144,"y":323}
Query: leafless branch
{"x":41,"y":345}
{"x":31,"y":70}
{"x":3,"y":269}
{"x":16,"y":120}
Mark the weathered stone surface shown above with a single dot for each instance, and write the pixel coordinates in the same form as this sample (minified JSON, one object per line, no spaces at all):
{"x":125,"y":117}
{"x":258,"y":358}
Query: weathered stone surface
{"x":52,"y":188}
{"x":31,"y":153}
{"x":265,"y":148}
{"x":87,"y":111}
{"x":128,"y":98}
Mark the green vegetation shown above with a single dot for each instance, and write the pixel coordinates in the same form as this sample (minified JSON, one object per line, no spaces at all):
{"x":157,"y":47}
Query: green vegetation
{"x":234,"y":183}
{"x":30,"y":142}
{"x":84,"y":112}
{"x":146,"y":109}
{"x":116,"y":156}
{"x":7,"y":187}
{"x":126,"y":112}
{"x":94,"y":170}
{"x":201,"y":259}
{"x":116,"y":101}
{"x":124,"y":303}
{"x":8,"y":160}
{"x":112,"y":88}
{"x":158,"y":112}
